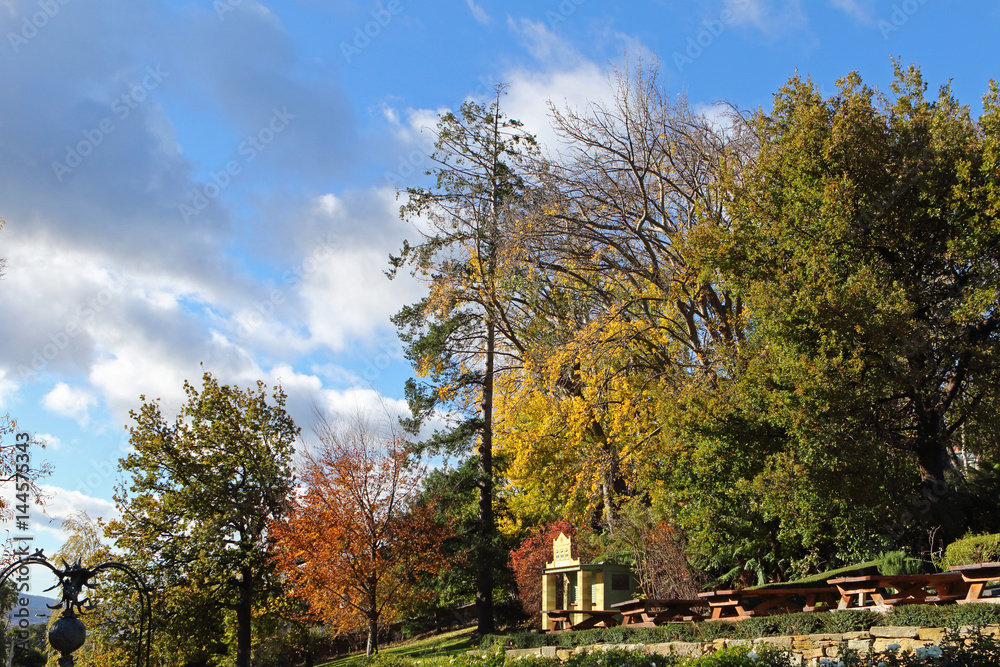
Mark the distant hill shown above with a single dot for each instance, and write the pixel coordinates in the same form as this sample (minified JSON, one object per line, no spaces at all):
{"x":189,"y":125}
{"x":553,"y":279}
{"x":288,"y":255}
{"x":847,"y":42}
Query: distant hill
{"x":38,"y":611}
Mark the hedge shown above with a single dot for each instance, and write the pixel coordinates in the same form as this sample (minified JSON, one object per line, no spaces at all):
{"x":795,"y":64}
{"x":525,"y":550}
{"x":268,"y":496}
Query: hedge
{"x":975,"y":650}
{"x":974,"y":549}
{"x":766,"y":626}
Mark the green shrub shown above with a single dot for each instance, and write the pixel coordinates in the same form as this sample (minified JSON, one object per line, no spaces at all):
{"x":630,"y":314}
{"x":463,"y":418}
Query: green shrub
{"x":921,"y":615}
{"x":536,"y":661}
{"x":765,"y":626}
{"x":894,"y":563}
{"x":973,"y":614}
{"x":943,"y":617}
{"x":783,"y":624}
{"x":617,"y":658}
{"x":851,"y":620}
{"x":974,"y":549}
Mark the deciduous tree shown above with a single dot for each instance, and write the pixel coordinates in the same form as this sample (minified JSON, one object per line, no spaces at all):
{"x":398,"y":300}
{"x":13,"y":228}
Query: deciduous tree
{"x":354,"y":544}
{"x":643,"y":316}
{"x":868,"y":246}
{"x":202,"y":491}
{"x":529,"y":560}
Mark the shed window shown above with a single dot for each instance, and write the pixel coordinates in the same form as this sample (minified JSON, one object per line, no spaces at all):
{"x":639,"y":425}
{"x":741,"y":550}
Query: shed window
{"x":619,"y":582}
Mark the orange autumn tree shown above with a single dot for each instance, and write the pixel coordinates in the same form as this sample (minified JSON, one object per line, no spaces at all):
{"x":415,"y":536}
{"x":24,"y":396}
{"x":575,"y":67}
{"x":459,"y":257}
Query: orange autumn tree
{"x":358,"y":539}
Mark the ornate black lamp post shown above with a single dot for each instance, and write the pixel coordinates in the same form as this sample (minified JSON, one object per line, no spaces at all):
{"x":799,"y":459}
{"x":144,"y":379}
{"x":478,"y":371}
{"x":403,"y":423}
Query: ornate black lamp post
{"x":68,"y":633}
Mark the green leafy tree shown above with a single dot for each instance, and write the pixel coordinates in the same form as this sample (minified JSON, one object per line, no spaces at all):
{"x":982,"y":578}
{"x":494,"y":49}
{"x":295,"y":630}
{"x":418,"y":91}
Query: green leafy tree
{"x":463,"y":334}
{"x":864,"y":240}
{"x":203,"y":490}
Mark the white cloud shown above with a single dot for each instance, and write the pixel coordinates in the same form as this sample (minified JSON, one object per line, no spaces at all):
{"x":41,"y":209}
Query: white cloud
{"x":478,"y":13}
{"x":51,"y":441}
{"x":859,"y":10}
{"x":347,"y":297}
{"x":366,"y":401}
{"x":61,"y":503}
{"x":72,"y":402}
{"x":7,"y":388}
{"x":774,"y":18}
{"x":530,"y":93}
{"x":544,"y":45}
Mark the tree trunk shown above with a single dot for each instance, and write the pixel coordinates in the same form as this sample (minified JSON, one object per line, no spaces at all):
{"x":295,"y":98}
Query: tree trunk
{"x":932,"y":455}
{"x":244,"y":621}
{"x":484,"y":573}
{"x":931,"y":458}
{"x":372,"y":647}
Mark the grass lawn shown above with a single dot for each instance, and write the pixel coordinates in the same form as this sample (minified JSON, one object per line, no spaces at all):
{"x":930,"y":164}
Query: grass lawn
{"x":432,"y":650}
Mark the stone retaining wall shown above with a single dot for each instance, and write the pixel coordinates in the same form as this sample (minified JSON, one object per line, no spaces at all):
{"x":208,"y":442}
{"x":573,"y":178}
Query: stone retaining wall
{"x":807,"y":649}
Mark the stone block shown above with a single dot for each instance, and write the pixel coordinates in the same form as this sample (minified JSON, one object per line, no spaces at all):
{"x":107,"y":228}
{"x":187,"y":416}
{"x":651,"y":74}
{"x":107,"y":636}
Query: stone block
{"x":894,"y":632}
{"x":563,"y":654}
{"x":515,"y":653}
{"x":931,"y":634}
{"x":780,"y":642}
{"x":859,"y":645}
{"x":882,"y":645}
{"x":857,"y":634}
{"x":659,"y":649}
{"x":686,"y":649}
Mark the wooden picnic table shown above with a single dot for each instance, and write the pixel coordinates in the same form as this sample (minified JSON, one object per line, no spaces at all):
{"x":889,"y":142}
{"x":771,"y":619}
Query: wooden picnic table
{"x":560,"y":619}
{"x":649,"y":613}
{"x":883,"y":591}
{"x":735,"y":605}
{"x":976,"y":576}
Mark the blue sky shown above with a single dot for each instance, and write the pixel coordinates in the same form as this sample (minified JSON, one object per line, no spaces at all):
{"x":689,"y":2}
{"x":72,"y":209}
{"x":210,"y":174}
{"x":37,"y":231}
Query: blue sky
{"x":213,"y":181}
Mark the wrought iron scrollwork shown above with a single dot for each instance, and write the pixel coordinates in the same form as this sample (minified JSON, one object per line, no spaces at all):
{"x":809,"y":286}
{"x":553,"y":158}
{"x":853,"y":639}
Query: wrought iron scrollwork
{"x":68,"y":632}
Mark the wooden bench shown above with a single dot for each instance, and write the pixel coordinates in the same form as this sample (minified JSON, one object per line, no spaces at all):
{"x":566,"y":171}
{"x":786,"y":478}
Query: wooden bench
{"x":977,"y":576}
{"x":652,"y":612}
{"x":559,"y":620}
{"x":883,"y":591}
{"x":735,"y":605}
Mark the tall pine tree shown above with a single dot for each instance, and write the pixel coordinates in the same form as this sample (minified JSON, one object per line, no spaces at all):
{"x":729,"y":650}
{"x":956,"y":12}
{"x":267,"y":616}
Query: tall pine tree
{"x":461,"y":335}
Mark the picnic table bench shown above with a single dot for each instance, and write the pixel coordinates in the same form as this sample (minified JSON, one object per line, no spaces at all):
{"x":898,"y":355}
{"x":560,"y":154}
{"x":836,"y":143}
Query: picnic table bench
{"x":977,"y":576}
{"x":560,"y":619}
{"x":652,"y":612}
{"x":883,"y":591}
{"x":735,"y":605}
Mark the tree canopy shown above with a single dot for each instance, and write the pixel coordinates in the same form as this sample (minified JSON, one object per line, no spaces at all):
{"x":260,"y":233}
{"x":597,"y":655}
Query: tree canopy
{"x":776,"y":328}
{"x":354,"y":545}
{"x":202,"y":491}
